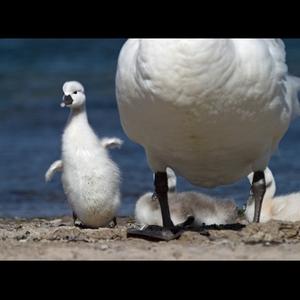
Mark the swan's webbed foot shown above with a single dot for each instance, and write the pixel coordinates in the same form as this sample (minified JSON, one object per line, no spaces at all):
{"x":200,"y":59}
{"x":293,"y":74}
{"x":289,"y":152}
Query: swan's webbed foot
{"x":168,"y":232}
{"x":158,"y":233}
{"x":155,"y":233}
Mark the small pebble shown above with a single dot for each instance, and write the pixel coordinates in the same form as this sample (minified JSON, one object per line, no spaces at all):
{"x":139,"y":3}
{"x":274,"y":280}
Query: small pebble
{"x":103,"y":247}
{"x":56,"y":222}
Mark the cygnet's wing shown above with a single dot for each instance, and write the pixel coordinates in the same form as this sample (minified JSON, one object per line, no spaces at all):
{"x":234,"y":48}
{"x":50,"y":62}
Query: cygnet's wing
{"x":293,"y":90}
{"x":111,"y":143}
{"x":57,"y":166}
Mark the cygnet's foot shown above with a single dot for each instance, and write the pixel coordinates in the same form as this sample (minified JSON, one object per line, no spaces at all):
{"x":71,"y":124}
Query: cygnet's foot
{"x":158,"y":233}
{"x":78,"y":223}
{"x":113,"y":223}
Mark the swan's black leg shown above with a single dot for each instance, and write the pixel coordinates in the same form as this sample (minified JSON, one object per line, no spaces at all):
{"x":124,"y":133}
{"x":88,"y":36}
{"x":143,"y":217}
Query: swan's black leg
{"x":168,"y":231}
{"x":258,"y":191}
{"x":161,"y":194}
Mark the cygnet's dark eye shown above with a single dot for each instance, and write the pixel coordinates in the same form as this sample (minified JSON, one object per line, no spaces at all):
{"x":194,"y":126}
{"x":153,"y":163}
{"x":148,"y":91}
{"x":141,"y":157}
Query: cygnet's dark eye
{"x":75,"y":93}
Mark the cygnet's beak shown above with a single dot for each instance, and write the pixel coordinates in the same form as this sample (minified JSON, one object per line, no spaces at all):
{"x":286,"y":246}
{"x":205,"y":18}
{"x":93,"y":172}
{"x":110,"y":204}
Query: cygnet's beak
{"x":67,"y":100}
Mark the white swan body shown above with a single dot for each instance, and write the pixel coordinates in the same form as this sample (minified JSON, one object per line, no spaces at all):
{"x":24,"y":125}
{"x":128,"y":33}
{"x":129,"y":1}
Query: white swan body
{"x":203,"y":208}
{"x":90,"y":178}
{"x":214,"y":110}
{"x":283,"y":208}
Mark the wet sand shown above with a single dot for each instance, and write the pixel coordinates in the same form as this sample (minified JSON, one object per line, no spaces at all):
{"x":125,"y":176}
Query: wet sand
{"x":58,"y":239}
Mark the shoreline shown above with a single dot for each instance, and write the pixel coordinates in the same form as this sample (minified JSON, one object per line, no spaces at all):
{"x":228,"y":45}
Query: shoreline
{"x":58,"y":239}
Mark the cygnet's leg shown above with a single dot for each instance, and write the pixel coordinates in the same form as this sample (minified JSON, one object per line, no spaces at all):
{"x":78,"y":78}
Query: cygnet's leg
{"x":168,"y":231}
{"x":258,"y":191}
{"x":113,"y":223}
{"x":77,"y":222}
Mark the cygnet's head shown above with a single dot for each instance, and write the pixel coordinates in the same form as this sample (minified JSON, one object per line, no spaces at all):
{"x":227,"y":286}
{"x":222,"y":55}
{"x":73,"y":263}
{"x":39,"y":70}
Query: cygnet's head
{"x":270,"y":183}
{"x":74,"y":96}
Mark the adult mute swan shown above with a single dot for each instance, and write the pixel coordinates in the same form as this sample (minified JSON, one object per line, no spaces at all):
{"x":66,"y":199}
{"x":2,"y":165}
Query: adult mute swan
{"x":213,"y":110}
{"x":283,"y":208}
{"x":91,"y":180}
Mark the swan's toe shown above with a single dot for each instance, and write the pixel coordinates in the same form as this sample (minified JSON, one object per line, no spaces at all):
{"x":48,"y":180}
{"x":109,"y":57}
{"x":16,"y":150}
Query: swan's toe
{"x":156,"y":233}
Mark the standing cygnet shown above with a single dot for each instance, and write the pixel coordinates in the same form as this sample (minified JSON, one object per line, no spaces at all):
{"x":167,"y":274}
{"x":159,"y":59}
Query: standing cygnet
{"x":283,"y":208}
{"x":91,"y":180}
{"x":203,"y":208}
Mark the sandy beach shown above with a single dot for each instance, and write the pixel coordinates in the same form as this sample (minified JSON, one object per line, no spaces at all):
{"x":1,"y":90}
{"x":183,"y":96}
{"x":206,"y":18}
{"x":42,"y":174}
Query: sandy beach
{"x":58,"y":239}
{"x":32,"y":123}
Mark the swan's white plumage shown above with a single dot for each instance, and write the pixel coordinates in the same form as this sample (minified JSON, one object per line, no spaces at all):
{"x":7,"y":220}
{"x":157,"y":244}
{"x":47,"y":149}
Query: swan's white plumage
{"x":91,"y":180}
{"x":283,"y":208}
{"x":214,"y":110}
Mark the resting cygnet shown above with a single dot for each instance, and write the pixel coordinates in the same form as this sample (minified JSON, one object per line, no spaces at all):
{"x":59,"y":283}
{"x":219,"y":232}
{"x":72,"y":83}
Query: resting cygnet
{"x":91,"y":180}
{"x":205,"y":209}
{"x":283,"y":208}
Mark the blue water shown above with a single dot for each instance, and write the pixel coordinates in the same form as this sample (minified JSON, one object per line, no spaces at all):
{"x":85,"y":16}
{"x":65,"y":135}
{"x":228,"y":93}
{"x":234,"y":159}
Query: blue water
{"x":31,"y":122}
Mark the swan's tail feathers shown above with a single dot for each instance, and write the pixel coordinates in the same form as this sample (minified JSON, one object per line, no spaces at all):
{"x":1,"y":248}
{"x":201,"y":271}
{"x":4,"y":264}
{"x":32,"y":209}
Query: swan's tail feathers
{"x":112,"y":143}
{"x":294,"y":92}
